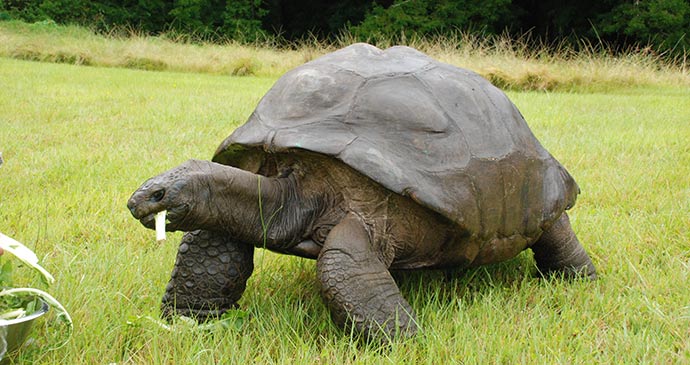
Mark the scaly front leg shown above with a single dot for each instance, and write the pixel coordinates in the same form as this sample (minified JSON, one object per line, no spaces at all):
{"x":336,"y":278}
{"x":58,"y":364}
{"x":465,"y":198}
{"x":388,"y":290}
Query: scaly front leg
{"x":358,"y":287}
{"x":209,"y":277}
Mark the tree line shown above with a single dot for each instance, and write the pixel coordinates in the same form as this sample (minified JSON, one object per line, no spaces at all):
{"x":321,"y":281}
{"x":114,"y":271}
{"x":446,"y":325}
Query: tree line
{"x":662,"y":24}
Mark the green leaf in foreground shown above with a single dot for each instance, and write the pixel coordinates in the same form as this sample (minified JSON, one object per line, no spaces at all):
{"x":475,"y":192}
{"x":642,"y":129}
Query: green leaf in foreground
{"x":25,"y":255}
{"x":18,"y":302}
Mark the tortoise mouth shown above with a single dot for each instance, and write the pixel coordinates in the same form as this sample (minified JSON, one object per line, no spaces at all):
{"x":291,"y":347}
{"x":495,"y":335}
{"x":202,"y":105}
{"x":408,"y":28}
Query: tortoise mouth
{"x":173,"y":219}
{"x":148,"y":221}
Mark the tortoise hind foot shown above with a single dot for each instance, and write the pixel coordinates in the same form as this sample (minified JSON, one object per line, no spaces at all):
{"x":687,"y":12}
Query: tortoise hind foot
{"x":559,"y":252}
{"x":209,"y":277}
{"x":358,"y":288}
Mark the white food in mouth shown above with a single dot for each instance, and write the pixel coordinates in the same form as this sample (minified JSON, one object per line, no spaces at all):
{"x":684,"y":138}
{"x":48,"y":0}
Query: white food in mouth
{"x":160,"y":225}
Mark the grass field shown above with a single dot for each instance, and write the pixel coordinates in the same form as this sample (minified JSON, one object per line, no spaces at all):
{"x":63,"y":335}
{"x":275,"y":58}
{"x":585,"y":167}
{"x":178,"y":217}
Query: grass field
{"x":78,"y":140}
{"x":509,"y":63}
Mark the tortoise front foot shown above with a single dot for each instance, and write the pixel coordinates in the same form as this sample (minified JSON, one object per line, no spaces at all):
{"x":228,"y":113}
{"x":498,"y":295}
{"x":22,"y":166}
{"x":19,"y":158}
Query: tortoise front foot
{"x":209,"y":277}
{"x":358,"y":288}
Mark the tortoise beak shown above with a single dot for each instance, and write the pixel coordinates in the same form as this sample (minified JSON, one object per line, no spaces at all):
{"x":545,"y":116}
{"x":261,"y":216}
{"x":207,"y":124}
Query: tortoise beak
{"x":135,"y":205}
{"x":144,"y":216}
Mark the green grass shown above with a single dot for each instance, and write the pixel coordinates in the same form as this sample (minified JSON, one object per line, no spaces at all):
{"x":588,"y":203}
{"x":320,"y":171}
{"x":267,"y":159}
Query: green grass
{"x":78,"y":140}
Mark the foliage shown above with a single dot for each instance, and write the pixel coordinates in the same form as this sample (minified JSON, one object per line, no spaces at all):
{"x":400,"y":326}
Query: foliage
{"x":67,"y":11}
{"x":4,"y":15}
{"x":194,"y":16}
{"x":242,"y":20}
{"x":664,"y":24}
{"x":26,"y":10}
{"x":239,"y":20}
{"x":19,"y":302}
{"x":407,"y":19}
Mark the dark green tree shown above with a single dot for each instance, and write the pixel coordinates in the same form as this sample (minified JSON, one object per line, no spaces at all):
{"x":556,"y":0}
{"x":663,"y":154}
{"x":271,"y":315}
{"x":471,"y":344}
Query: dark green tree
{"x":242,"y":20}
{"x":68,"y":11}
{"x":27,"y":10}
{"x":189,"y":16}
{"x":408,"y":18}
{"x":294,"y":19}
{"x":147,"y":15}
{"x":663,"y":24}
{"x":557,"y":19}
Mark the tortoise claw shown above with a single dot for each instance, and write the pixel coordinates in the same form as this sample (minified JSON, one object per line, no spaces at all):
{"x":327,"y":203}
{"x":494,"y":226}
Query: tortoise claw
{"x":201,"y":315}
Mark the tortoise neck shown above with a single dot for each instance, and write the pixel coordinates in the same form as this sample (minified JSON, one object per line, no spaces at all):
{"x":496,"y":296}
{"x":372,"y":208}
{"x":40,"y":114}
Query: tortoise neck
{"x":263,"y":211}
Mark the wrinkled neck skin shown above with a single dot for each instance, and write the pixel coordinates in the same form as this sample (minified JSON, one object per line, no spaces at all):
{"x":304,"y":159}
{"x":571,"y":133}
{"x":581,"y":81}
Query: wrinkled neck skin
{"x":258,"y":210}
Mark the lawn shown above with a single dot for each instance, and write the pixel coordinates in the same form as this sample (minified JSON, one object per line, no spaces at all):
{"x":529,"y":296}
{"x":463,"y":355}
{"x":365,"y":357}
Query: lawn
{"x":78,"y":140}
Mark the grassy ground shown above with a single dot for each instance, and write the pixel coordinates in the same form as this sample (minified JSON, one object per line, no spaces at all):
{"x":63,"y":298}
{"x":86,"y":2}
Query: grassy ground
{"x":510,"y":64}
{"x":78,"y":140}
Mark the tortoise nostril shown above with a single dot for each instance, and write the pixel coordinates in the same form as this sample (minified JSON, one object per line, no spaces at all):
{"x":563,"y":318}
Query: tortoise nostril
{"x":132,"y":205}
{"x":158,"y":195}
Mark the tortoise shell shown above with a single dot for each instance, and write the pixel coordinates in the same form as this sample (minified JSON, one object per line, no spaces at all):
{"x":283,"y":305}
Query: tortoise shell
{"x":441,"y":135}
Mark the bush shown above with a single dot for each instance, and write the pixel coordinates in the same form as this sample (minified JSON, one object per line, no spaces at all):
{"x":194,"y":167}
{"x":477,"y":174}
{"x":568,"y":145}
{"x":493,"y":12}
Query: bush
{"x":664,"y":24}
{"x":67,"y":11}
{"x":406,"y":19}
{"x":23,"y":9}
{"x":3,"y":14}
{"x":242,"y":20}
{"x":186,"y":15}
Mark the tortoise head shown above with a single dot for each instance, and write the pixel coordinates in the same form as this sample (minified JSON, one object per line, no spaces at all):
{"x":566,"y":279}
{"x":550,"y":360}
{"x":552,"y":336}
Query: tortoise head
{"x":183,"y":191}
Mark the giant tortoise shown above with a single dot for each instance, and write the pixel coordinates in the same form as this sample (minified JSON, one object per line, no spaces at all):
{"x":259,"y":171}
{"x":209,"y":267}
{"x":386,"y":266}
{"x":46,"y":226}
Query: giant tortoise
{"x":366,"y":160}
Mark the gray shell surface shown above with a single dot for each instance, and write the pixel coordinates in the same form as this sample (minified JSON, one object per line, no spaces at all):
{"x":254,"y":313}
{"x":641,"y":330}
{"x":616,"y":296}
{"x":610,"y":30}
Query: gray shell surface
{"x":442,"y":135}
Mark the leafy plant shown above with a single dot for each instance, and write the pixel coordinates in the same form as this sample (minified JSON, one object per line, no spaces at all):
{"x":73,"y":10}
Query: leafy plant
{"x":19,"y":302}
{"x":664,"y":24}
{"x":242,"y":20}
{"x":408,"y":19}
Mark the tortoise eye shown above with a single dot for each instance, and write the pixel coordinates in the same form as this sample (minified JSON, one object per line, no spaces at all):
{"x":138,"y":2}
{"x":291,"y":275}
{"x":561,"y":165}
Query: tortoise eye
{"x":158,"y":195}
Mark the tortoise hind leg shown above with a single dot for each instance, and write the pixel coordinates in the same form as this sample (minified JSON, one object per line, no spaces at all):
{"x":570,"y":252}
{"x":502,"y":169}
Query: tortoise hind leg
{"x":209,"y":277}
{"x":357,"y":286}
{"x":558,"y":251}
